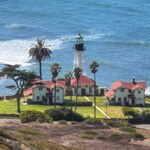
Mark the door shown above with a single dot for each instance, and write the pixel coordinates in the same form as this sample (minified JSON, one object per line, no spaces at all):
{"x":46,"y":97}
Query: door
{"x":83,"y":92}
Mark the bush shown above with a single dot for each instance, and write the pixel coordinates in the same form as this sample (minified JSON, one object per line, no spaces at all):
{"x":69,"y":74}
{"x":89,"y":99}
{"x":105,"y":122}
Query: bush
{"x":128,"y":129}
{"x":93,"y":121}
{"x":116,"y":136}
{"x":144,"y":117}
{"x":130,"y":112}
{"x":62,"y":122}
{"x":48,"y":119}
{"x":64,"y":113}
{"x":79,"y":103}
{"x":30,"y":116}
{"x":138,"y":136}
{"x":116,"y":122}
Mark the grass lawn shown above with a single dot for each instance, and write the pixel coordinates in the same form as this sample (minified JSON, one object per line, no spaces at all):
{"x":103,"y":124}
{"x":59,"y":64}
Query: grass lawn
{"x":148,"y":100}
{"x":10,"y":107}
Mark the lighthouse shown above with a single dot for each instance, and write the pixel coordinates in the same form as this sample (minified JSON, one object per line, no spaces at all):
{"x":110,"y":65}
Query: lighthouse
{"x":79,"y":52}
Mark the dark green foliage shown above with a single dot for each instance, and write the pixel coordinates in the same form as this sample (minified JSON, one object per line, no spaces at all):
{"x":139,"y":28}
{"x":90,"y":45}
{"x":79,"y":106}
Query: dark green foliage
{"x":127,"y":129}
{"x":31,"y":116}
{"x":93,"y":121}
{"x":143,"y":117}
{"x":116,"y":122}
{"x":64,"y":113}
{"x":62,"y":122}
{"x":48,"y":119}
{"x":116,"y":136}
{"x":138,"y":136}
{"x":130,"y":112}
{"x":79,"y":103}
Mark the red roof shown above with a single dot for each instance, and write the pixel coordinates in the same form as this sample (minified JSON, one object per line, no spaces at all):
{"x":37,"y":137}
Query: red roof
{"x":84,"y":80}
{"x":48,"y":84}
{"x":109,"y":93}
{"x":129,"y":85}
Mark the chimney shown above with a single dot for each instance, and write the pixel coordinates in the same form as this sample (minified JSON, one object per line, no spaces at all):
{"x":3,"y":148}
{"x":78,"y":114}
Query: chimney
{"x":133,"y":80}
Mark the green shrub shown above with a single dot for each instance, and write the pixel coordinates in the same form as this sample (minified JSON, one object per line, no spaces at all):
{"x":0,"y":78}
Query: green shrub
{"x":127,"y":129}
{"x":138,"y":136}
{"x":79,"y":103}
{"x":62,"y":122}
{"x":93,"y":121}
{"x":130,"y":111}
{"x":31,"y":116}
{"x":73,"y":122}
{"x":64,"y":113}
{"x":116,"y":136}
{"x":143,"y":117}
{"x":48,"y":119}
{"x":116,"y":122}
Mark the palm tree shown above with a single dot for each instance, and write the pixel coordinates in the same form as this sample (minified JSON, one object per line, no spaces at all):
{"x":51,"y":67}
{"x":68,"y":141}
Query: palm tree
{"x":55,"y":69}
{"x":68,"y":77}
{"x":77,"y":73}
{"x":94,"y":68}
{"x":39,"y":53}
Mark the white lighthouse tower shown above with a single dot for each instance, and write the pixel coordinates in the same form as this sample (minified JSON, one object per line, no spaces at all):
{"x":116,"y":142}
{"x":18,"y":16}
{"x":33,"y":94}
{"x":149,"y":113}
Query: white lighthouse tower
{"x":79,"y":53}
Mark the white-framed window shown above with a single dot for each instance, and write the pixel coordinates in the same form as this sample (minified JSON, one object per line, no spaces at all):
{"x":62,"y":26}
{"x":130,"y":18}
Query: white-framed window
{"x":90,"y":89}
{"x":139,"y":92}
{"x":57,"y":90}
{"x":122,"y":89}
{"x":40,"y":88}
{"x":75,"y":90}
{"x":57,"y":98}
{"x":139,"y":99}
{"x":38,"y":98}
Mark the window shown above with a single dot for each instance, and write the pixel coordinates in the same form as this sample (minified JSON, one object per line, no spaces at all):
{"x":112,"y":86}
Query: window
{"x":139,"y":92}
{"x":75,"y":90}
{"x":57,"y":98}
{"x":139,"y":99}
{"x":43,"y":97}
{"x":40,"y":88}
{"x":90,"y":89}
{"x":122,"y":89}
{"x":38,"y":98}
{"x":57,"y":90}
{"x":48,"y":89}
{"x":119,"y":99}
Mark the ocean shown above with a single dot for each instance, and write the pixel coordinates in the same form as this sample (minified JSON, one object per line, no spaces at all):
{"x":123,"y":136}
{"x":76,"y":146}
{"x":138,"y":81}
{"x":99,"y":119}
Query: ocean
{"x":116,"y":34}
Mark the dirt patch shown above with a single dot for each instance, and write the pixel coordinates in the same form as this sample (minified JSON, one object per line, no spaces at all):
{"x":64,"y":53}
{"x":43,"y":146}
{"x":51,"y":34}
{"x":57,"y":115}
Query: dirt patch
{"x":80,"y":136}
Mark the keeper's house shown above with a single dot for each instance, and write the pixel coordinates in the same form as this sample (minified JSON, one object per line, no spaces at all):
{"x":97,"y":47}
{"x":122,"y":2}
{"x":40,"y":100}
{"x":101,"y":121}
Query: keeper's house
{"x":127,"y":93}
{"x":44,"y":92}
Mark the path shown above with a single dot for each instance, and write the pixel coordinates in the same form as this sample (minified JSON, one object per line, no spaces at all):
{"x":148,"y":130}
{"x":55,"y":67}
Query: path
{"x":97,"y":108}
{"x":143,"y":126}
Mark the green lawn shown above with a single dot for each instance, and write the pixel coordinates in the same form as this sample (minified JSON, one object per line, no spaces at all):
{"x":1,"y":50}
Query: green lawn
{"x":9,"y":107}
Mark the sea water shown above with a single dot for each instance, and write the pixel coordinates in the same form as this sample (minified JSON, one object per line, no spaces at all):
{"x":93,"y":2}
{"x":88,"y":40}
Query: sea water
{"x":116,"y":35}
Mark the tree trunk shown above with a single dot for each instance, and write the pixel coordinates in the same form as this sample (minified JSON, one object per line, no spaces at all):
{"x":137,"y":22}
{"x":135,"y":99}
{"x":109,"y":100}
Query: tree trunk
{"x":40,"y":69}
{"x":76,"y":95}
{"x":94,"y":96}
{"x":55,"y":94}
{"x":18,"y":103}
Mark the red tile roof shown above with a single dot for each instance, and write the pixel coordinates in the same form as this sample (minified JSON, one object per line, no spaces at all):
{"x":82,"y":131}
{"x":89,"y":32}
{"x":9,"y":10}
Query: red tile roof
{"x":48,"y":84}
{"x":109,"y":93}
{"x":84,"y":80}
{"x":129,"y":85}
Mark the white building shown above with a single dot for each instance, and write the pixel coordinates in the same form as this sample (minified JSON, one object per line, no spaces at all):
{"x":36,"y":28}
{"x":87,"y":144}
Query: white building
{"x":44,"y":92}
{"x":127,"y":93}
{"x":86,"y":86}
